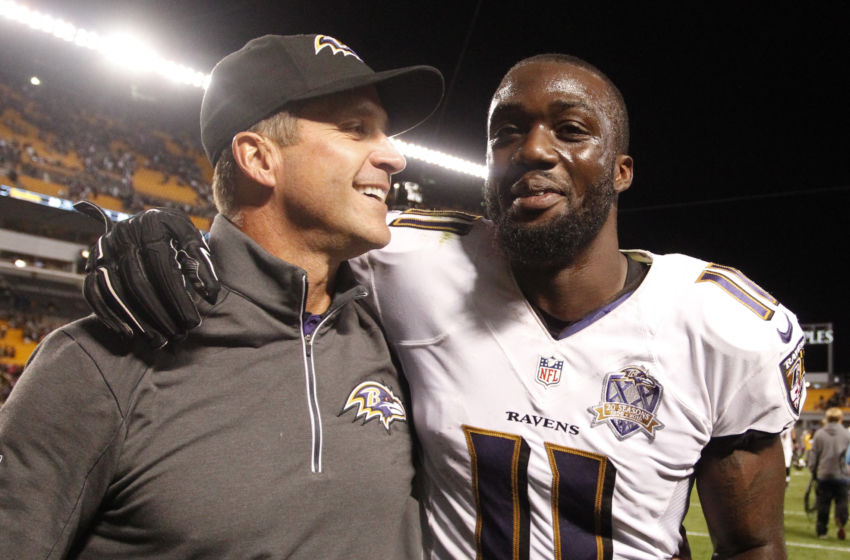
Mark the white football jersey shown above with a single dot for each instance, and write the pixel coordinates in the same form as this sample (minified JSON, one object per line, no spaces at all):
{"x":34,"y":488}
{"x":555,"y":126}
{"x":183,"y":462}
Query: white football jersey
{"x":580,"y":448}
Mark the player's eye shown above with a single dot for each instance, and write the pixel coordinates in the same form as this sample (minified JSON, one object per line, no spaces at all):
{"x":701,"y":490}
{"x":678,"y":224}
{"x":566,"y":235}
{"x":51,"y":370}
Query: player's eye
{"x":571,"y":130}
{"x":503,"y":132}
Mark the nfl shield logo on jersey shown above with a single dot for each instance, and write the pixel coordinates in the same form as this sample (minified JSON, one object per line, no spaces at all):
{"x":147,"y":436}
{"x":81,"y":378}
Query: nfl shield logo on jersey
{"x":630,"y":398}
{"x":549,"y":370}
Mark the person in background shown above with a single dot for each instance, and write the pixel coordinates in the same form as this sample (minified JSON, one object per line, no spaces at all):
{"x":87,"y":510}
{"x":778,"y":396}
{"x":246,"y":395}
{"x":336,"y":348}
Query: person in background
{"x":828,"y":463}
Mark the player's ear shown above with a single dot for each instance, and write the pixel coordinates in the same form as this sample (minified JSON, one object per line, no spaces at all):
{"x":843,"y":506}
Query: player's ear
{"x":256,"y":157}
{"x":624,"y":170}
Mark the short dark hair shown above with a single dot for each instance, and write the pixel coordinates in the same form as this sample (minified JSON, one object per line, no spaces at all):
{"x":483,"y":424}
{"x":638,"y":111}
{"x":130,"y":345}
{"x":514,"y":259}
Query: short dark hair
{"x":620,"y":118}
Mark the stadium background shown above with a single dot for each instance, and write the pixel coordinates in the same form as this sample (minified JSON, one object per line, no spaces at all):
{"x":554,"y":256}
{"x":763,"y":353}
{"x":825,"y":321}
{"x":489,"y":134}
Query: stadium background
{"x":739,"y":129}
{"x":739,"y":118}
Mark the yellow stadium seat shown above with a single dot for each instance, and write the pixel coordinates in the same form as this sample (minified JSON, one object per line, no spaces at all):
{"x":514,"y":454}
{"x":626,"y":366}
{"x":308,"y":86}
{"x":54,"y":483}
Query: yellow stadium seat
{"x":41,"y":186}
{"x":202,"y":224}
{"x":149,"y":182}
{"x":106,"y":201}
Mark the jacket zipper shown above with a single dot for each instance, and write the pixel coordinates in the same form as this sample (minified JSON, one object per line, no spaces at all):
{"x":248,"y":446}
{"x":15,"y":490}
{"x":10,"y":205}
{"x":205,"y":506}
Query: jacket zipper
{"x":310,"y":380}
{"x":307,"y":341}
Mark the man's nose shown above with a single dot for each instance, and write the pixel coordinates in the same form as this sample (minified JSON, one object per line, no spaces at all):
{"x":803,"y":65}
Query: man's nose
{"x":387,"y":157}
{"x":536,"y":148}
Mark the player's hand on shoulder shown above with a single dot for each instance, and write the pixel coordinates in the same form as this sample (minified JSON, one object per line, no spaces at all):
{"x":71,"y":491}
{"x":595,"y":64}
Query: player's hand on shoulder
{"x":141,"y":274}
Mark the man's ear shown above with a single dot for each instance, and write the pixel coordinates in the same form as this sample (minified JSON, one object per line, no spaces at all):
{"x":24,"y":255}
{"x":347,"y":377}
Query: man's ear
{"x":624,"y":172}
{"x":256,"y":156}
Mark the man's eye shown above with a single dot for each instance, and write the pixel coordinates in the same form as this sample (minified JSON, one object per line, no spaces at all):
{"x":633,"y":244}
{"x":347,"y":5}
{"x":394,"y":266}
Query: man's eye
{"x":503,"y":132}
{"x":354,"y":127}
{"x":570,"y":130}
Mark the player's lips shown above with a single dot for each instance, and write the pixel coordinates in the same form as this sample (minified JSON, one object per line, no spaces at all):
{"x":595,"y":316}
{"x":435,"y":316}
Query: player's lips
{"x":535,"y":192}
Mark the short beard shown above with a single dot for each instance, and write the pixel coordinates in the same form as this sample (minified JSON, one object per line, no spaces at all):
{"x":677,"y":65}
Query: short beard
{"x":558,"y":242}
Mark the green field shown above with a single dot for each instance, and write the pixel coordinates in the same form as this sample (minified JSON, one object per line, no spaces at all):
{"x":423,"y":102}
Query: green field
{"x":799,"y":528}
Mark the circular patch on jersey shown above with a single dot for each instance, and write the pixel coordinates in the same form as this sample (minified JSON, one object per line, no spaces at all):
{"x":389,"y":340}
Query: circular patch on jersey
{"x":630,"y":398}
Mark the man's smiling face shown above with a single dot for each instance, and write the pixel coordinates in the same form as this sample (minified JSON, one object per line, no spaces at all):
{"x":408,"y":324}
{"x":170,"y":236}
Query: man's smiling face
{"x":552,"y":161}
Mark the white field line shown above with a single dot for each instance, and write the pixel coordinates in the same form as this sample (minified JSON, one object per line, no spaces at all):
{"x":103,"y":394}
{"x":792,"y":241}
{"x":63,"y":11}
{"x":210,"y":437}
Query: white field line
{"x":845,"y":549}
{"x":696,"y":505}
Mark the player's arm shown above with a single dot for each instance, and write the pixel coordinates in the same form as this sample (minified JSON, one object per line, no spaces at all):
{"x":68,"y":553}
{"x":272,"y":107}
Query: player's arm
{"x":741,"y":485}
{"x":141,"y":274}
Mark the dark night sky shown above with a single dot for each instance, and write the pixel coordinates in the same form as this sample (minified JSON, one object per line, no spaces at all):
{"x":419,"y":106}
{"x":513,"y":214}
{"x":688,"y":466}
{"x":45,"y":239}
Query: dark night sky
{"x":739,"y":114}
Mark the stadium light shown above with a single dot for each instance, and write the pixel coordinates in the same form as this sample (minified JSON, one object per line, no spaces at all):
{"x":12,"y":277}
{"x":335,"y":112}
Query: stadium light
{"x":123,"y":48}
{"x":440,"y":159}
{"x":129,"y":51}
{"x":132,"y":53}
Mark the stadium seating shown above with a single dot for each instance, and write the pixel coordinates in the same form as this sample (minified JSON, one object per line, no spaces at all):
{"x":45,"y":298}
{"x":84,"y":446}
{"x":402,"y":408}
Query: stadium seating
{"x":150,"y":182}
{"x":817,"y":399}
{"x":23,"y":348}
{"x":125,"y":169}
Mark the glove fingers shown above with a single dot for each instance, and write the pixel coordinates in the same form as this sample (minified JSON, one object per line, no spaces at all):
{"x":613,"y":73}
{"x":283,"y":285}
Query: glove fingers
{"x":163,"y":271}
{"x":151,"y":311}
{"x":107,"y":293}
{"x":139,"y":270}
{"x":102,"y":294}
{"x":192,"y":252}
{"x":96,"y":298}
{"x":198,"y":268}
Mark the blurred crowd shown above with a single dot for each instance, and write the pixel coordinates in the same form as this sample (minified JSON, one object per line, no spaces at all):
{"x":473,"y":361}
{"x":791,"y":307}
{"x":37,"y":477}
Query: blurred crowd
{"x":109,"y":147}
{"x":9,"y":374}
{"x":34,"y":326}
{"x":35,"y":319}
{"x":840,"y":398}
{"x":86,"y":147}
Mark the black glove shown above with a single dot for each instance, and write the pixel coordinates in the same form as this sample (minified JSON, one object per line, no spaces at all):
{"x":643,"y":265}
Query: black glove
{"x":137,"y":272}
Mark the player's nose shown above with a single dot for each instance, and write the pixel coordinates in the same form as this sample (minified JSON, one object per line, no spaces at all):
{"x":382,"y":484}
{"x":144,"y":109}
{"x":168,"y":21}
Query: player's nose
{"x":536,"y":148}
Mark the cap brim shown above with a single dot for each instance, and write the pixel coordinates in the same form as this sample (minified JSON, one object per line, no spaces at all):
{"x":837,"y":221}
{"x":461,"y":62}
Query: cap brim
{"x":409,"y":95}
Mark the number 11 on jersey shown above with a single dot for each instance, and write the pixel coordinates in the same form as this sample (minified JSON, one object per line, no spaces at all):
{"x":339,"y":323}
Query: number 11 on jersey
{"x":582,"y":488}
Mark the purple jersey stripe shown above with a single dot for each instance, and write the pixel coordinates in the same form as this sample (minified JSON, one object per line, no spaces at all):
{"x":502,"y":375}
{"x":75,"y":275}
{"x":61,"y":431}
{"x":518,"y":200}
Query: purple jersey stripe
{"x":738,"y":293}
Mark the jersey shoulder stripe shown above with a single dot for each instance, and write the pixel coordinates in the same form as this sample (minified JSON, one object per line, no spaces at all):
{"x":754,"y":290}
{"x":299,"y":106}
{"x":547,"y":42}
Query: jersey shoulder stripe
{"x":719,"y":303}
{"x":451,"y":221}
{"x":750,"y":294}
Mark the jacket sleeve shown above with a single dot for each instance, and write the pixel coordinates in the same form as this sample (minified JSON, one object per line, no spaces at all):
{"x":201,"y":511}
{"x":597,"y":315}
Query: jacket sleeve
{"x":812,"y":459}
{"x":60,"y":434}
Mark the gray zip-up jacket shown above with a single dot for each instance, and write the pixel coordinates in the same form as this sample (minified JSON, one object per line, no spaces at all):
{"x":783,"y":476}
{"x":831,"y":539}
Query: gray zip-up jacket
{"x":828,"y":448}
{"x":248,"y":439}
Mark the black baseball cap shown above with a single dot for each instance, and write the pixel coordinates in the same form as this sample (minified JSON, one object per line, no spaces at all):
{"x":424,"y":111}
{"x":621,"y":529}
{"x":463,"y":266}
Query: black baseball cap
{"x":259,"y":79}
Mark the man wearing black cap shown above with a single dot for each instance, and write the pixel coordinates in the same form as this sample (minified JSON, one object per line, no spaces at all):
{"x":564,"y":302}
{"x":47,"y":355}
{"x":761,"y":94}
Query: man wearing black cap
{"x":277,"y":429}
